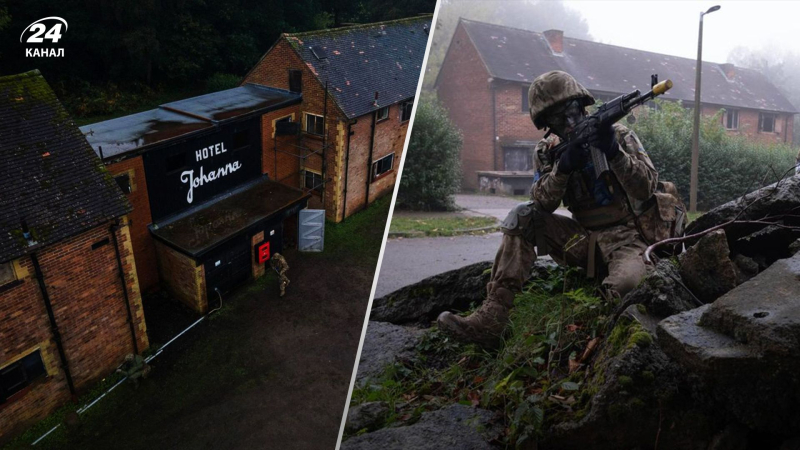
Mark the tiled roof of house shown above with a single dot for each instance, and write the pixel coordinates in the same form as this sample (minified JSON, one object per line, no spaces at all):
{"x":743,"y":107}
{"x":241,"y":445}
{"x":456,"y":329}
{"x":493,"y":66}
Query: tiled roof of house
{"x":49,"y":175}
{"x":521,"y":55}
{"x":383,"y":57}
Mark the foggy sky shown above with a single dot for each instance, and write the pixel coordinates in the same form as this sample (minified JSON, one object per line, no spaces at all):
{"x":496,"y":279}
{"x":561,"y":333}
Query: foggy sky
{"x":671,"y":27}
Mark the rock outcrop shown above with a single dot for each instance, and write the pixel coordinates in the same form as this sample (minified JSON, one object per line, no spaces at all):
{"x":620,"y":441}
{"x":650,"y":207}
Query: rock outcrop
{"x":707,"y":269}
{"x":455,"y":426}
{"x":385,"y":344}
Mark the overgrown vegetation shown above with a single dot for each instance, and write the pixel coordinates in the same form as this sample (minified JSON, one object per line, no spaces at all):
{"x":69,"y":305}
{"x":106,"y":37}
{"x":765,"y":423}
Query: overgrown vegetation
{"x":442,"y":226}
{"x":730,"y":165}
{"x":540,"y":376}
{"x":116,"y":49}
{"x":432,"y":173}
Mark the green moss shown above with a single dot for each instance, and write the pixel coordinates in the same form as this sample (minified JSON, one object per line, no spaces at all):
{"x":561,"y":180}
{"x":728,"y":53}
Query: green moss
{"x":636,"y":404}
{"x":642,"y":309}
{"x":625,"y":381}
{"x":615,"y":412}
{"x":648,"y":376}
{"x":641,"y":339}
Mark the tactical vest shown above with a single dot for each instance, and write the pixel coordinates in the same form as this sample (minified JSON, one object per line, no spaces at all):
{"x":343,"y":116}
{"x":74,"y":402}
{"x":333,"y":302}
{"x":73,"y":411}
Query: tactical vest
{"x":596,"y":203}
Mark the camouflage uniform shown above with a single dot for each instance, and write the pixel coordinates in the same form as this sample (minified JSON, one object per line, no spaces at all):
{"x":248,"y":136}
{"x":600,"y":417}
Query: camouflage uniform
{"x":135,"y":368}
{"x":279,"y":264}
{"x":602,"y":233}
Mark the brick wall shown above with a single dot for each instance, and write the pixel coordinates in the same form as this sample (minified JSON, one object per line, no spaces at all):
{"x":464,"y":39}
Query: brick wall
{"x":390,"y":135}
{"x":143,"y":248}
{"x":463,"y":88}
{"x":748,"y":126}
{"x":186,"y":281}
{"x":88,"y":303}
{"x":512,"y":122}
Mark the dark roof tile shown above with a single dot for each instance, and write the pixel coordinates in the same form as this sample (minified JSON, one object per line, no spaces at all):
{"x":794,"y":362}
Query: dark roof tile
{"x":521,"y":55}
{"x":49,"y":175}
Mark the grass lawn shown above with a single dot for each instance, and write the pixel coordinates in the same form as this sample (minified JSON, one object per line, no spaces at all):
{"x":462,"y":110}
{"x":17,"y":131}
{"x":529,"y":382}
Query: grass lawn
{"x":694,"y":215}
{"x":440,"y":226}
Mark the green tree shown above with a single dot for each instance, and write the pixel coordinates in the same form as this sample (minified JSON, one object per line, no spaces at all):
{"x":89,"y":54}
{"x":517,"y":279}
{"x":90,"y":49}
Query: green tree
{"x":432,"y":171}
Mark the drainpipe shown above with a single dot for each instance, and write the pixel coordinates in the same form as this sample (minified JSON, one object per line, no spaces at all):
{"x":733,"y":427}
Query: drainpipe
{"x":113,"y":230}
{"x":53,"y":325}
{"x":785,"y":128}
{"x":369,"y":160}
{"x":494,"y":124}
{"x":347,"y":167}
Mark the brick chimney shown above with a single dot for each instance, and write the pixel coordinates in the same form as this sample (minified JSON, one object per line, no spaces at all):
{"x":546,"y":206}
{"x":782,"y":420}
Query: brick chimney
{"x":729,"y":70}
{"x":556,"y":40}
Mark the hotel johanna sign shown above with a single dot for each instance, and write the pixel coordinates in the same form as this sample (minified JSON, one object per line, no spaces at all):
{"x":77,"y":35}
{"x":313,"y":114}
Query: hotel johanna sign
{"x":187,"y":174}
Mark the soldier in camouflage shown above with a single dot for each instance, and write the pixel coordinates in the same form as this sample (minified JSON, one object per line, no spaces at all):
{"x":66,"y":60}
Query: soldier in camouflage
{"x":602,"y":236}
{"x":279,"y":265}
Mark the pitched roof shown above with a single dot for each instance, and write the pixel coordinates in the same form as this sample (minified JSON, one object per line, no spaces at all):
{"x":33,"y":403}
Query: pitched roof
{"x":49,"y":175}
{"x":383,"y":57}
{"x":521,"y":55}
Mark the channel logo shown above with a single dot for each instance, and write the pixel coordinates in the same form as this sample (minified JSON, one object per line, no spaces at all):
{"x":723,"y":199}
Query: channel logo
{"x":42,"y":31}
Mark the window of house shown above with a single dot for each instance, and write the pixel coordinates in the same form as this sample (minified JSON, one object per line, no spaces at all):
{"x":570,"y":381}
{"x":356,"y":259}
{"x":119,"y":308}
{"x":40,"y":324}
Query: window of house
{"x":313,"y":181}
{"x":406,"y":108}
{"x":517,"y":158}
{"x":383,"y":113}
{"x":766,"y":123}
{"x":7,"y":274}
{"x":20,"y":374}
{"x":731,"y":119}
{"x":525,"y":107}
{"x":382,"y":166}
{"x":296,"y":81}
{"x":124,"y":182}
{"x":314,"y":124}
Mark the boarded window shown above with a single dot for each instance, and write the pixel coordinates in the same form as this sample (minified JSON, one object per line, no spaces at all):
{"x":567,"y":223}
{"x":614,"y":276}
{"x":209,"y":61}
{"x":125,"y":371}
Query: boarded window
{"x":20,"y":374}
{"x":517,"y":158}
{"x":315,"y":124}
{"x":732,"y":119}
{"x":124,"y":182}
{"x":766,"y":123}
{"x":383,"y":113}
{"x":382,"y":166}
{"x":525,"y":107}
{"x":296,"y":81}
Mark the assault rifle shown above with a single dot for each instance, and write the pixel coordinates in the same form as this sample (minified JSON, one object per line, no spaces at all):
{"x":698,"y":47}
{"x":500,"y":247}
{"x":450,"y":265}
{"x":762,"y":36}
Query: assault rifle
{"x":606,"y":115}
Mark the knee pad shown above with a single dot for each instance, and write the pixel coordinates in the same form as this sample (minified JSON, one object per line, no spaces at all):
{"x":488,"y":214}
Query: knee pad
{"x":519,"y":219}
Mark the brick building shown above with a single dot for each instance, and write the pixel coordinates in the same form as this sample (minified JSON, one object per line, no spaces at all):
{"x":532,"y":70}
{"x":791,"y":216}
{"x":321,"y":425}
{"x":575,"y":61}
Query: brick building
{"x":488,"y":69}
{"x":204,"y":207}
{"x":350,"y":140}
{"x":70,"y":305}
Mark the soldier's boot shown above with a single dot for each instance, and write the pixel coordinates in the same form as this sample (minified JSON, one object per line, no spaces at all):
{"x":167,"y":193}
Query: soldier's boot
{"x":485,"y":326}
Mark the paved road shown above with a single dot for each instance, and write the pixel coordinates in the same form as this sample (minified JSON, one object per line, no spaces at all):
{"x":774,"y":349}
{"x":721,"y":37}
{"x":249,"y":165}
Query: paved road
{"x":407,"y":261}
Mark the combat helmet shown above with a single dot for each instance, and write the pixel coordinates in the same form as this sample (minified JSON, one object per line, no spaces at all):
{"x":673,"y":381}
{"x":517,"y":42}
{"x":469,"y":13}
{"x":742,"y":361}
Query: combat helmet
{"x":552,"y":88}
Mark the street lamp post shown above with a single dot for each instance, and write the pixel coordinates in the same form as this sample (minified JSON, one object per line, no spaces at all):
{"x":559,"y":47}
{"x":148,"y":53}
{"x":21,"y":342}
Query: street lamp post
{"x":696,"y":128}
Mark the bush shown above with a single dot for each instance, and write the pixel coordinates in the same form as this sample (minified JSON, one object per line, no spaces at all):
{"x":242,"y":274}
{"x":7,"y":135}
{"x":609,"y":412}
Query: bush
{"x":222,"y":81}
{"x":432,"y":173}
{"x":730,"y":165}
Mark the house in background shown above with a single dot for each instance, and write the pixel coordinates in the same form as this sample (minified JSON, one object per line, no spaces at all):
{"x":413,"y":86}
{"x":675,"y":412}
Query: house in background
{"x":70,"y":305}
{"x":350,"y":140}
{"x":486,"y":73}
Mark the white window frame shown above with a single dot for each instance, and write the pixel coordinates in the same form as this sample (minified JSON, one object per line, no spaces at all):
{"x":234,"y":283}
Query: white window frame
{"x":382,"y":114}
{"x":727,"y":116}
{"x":374,"y":172}
{"x":305,"y":124}
{"x":410,"y":105}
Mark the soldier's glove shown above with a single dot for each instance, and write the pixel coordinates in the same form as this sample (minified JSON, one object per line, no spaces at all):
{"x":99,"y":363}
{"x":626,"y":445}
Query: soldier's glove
{"x":570,"y":160}
{"x":605,"y":140}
